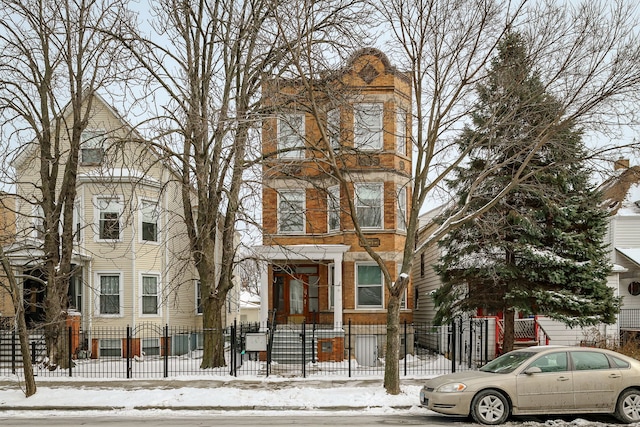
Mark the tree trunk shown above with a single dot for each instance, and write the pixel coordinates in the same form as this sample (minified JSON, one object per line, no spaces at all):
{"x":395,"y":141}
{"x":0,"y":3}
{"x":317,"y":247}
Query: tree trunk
{"x":391,"y":367}
{"x":508,"y":338}
{"x":55,"y":302}
{"x":213,"y":334}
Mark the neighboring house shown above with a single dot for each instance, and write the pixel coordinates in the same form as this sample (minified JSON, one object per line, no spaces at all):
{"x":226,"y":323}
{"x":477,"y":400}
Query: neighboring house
{"x":249,"y":307}
{"x":622,"y":198}
{"x":131,"y":251}
{"x":621,"y":195}
{"x":318,"y":272}
{"x":7,"y":234}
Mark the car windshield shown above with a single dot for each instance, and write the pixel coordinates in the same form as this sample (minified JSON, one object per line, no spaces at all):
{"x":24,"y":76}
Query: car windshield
{"x":507,"y":362}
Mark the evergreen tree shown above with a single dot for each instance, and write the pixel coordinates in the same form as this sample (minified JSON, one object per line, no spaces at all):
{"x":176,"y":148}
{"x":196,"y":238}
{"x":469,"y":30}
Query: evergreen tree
{"x":540,"y":249}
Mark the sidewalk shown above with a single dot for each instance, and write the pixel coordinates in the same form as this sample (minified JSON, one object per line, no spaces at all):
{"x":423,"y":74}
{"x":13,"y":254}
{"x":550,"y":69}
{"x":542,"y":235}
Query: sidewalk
{"x":220,"y":394}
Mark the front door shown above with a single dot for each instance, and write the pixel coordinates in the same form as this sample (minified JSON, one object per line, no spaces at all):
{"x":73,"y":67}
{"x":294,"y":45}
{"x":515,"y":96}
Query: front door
{"x":295,"y":294}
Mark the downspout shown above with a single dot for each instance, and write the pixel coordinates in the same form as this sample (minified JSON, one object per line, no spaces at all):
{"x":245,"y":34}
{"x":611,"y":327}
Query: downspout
{"x":134,"y":275}
{"x":165,"y":269}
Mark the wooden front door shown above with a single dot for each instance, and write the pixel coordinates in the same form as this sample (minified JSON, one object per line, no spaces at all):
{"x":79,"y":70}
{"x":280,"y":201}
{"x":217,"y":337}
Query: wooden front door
{"x":295,"y":294}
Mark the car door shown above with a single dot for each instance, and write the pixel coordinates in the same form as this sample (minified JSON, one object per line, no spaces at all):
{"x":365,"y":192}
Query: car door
{"x":548,"y":391}
{"x":596,"y":382}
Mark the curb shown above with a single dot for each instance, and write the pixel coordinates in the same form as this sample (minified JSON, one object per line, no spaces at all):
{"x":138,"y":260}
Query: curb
{"x":198,"y":408}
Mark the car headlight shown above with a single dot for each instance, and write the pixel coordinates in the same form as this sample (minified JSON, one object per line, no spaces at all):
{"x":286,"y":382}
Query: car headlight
{"x":451,"y":388}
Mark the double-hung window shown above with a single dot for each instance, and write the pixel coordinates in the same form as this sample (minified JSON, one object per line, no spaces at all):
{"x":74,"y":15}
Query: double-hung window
{"x":401,"y":131}
{"x":367,"y":127}
{"x":333,"y":128}
{"x":333,"y":207}
{"x":369,"y":286}
{"x":110,"y":210}
{"x":149,"y":294}
{"x":149,"y":213}
{"x":291,"y":205}
{"x":109,"y":294}
{"x":291,"y":136}
{"x":92,"y":146}
{"x":402,"y":208}
{"x":369,"y":205}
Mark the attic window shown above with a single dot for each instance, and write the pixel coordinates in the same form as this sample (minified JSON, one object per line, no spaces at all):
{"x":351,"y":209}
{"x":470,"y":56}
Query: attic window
{"x":91,"y":147}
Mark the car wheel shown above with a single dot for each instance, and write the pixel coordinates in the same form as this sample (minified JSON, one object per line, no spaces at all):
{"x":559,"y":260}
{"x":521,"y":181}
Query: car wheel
{"x":628,"y":406}
{"x":490,"y":407}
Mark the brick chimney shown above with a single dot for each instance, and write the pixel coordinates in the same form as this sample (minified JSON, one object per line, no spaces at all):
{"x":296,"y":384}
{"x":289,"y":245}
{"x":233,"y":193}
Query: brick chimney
{"x":621,"y":164}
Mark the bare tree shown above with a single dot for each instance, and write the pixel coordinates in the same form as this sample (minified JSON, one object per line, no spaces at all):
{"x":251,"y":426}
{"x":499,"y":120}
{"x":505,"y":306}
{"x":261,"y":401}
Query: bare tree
{"x":209,"y":68}
{"x":55,"y":58}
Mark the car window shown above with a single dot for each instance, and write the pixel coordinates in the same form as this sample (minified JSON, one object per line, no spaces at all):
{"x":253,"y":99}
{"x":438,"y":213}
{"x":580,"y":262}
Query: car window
{"x":619,"y":362}
{"x":553,"y":362}
{"x":589,"y":360}
{"x":507,"y":362}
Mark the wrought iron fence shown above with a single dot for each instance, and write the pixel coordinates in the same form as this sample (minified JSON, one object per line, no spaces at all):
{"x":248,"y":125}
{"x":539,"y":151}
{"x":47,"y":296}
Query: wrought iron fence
{"x":302,"y":350}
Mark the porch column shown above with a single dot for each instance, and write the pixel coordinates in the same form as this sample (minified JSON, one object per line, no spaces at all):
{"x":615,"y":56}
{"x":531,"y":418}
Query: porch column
{"x":337,"y":291}
{"x":264,"y":295}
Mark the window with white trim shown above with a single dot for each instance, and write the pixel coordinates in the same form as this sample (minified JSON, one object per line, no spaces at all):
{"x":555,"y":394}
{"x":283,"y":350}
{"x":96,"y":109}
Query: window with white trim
{"x":367,"y":126}
{"x":149,"y":221}
{"x":291,"y":136}
{"x":369,"y":204}
{"x":401,"y":131}
{"x":333,"y":128}
{"x":109,"y":294}
{"x":369,"y":286}
{"x":150,"y":294}
{"x":331,"y":282}
{"x":291,"y":205}
{"x":402,"y":207}
{"x":92,"y":147}
{"x":109,"y":213}
{"x":333,"y":208}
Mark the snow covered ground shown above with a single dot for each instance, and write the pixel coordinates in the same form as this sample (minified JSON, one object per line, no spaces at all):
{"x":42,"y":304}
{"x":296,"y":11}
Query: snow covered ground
{"x":255,"y":396}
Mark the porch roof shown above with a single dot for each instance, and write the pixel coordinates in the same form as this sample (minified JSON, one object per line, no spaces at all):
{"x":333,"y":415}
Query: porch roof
{"x":301,"y":252}
{"x":632,"y":254}
{"x":28,"y":252}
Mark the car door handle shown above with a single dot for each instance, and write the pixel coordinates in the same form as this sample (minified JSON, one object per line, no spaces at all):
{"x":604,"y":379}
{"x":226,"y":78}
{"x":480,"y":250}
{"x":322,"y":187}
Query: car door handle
{"x":614,"y":376}
{"x":563,"y":378}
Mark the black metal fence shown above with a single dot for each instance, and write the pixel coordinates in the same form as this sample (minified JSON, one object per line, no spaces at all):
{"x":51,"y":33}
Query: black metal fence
{"x":302,"y":350}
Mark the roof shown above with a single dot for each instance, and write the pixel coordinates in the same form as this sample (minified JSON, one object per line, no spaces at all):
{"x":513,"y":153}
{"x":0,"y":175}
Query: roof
{"x":633,"y":254}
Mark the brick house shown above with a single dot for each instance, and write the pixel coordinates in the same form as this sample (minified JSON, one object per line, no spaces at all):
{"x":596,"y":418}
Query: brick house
{"x":316,"y":269}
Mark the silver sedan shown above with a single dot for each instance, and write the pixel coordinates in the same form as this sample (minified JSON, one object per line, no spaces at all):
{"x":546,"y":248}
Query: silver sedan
{"x":541,"y":380}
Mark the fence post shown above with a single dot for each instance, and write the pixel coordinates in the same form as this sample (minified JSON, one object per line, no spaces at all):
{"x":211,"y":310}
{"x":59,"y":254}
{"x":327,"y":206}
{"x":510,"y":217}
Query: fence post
{"x":471,"y":325}
{"x":304,"y":349}
{"x":13,"y":352}
{"x":453,"y":346}
{"x":70,"y":349}
{"x":128,"y":351}
{"x":349,"y":353}
{"x":486,"y":340}
{"x":233,"y":348}
{"x":405,"y":347}
{"x":166,"y":350}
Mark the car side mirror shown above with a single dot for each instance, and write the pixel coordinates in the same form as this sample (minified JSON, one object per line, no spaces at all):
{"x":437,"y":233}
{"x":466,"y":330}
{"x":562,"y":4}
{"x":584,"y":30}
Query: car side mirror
{"x":533,"y":370}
